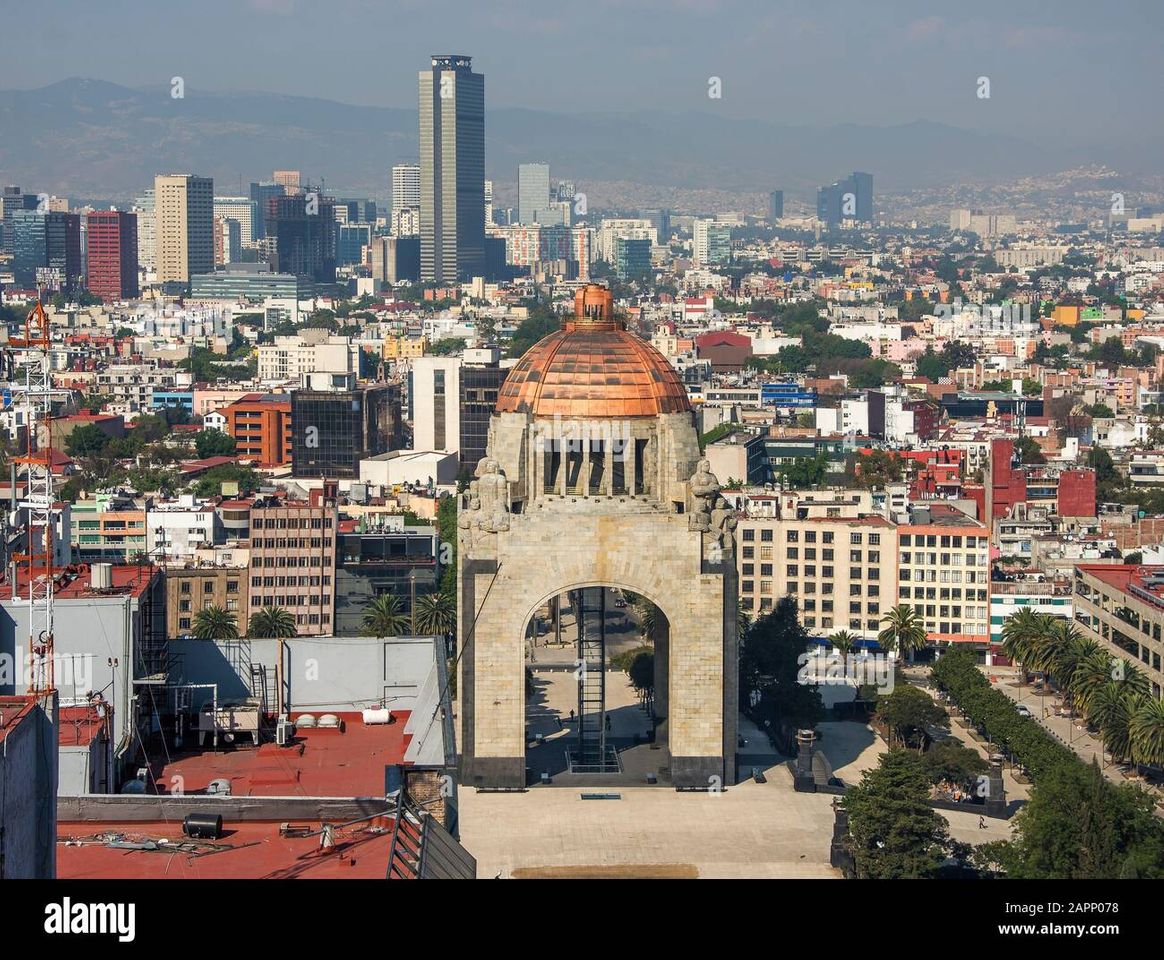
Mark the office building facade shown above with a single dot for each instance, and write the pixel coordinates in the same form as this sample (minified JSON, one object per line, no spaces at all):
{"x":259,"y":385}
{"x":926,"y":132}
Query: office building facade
{"x":452,"y":170}
{"x":533,"y":193}
{"x":112,"y":248}
{"x":184,"y":227}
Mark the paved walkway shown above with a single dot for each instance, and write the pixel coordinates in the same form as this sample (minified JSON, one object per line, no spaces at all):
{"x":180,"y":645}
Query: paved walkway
{"x":1071,"y":732}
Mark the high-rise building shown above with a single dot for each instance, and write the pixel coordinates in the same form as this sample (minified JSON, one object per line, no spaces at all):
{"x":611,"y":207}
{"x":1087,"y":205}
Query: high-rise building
{"x":46,"y":249}
{"x":305,"y":235}
{"x":227,"y":241}
{"x":713,"y":243}
{"x":147,"y":248}
{"x":262,"y":192}
{"x":392,"y":259}
{"x":405,"y":186}
{"x":660,"y":219}
{"x":632,"y":259}
{"x":452,"y":170}
{"x":113,"y":246}
{"x":11,"y":200}
{"x":775,"y":206}
{"x":863,"y":187}
{"x":488,"y":203}
{"x":350,"y":243}
{"x":533,"y":192}
{"x":244,"y":210}
{"x":849,"y":199}
{"x":452,"y":400}
{"x":293,"y":560}
{"x":288,"y":180}
{"x":184,"y":224}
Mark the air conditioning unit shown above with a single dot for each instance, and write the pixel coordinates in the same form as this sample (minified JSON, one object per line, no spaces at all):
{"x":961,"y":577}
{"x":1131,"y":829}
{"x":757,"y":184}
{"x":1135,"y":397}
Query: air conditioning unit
{"x":284,"y":731}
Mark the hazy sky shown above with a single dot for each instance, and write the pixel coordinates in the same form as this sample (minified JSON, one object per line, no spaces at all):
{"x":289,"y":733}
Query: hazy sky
{"x":1057,"y":69}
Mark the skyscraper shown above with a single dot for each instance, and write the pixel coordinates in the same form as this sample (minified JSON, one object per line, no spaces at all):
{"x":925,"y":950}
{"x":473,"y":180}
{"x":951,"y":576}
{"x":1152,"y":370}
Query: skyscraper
{"x":112,"y":254}
{"x":405,"y":186}
{"x":849,"y":199}
{"x":775,"y":206}
{"x":184,"y":226}
{"x":147,"y":246}
{"x":863,"y":187}
{"x":261,"y":192}
{"x":46,"y":249}
{"x":289,"y":180}
{"x":242,"y":209}
{"x":533,"y":193}
{"x":712,"y":243}
{"x":452,"y":170}
{"x":305,"y":236}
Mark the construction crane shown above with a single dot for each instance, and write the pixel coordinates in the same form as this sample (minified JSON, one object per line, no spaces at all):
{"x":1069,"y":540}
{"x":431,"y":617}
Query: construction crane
{"x":39,"y":503}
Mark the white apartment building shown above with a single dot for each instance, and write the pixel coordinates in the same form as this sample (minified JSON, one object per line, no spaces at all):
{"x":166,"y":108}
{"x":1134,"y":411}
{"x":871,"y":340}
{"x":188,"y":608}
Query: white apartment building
{"x":611,"y":231}
{"x":288,"y":358}
{"x":175,"y":530}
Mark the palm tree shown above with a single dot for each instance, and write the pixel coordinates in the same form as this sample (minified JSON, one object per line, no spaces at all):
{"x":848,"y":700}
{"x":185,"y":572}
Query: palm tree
{"x":1021,"y":633}
{"x":1110,"y":708}
{"x":743,"y":620}
{"x":646,"y":613}
{"x":843,"y":642}
{"x":1146,"y":730}
{"x":215,"y":623}
{"x":1092,"y":673}
{"x":384,"y":617}
{"x":272,"y":623}
{"x":435,"y":613}
{"x":903,"y":630}
{"x":1059,"y":650}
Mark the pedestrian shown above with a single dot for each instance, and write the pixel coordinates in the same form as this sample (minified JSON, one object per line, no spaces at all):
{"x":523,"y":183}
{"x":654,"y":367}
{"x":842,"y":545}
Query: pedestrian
{"x":981,"y":823}
{"x":571,"y":715}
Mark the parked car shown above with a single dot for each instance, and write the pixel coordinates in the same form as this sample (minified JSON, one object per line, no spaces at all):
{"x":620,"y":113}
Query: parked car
{"x":1024,"y":710}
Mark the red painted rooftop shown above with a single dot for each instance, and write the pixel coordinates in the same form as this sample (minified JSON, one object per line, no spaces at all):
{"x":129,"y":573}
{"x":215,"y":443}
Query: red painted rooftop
{"x":78,"y":726}
{"x":73,"y":583}
{"x":1123,"y":575}
{"x":247,"y":850}
{"x":321,"y":763}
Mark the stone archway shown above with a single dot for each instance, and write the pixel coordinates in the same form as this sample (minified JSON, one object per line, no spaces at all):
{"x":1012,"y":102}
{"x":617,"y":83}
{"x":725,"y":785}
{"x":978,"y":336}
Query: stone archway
{"x":508,"y":574}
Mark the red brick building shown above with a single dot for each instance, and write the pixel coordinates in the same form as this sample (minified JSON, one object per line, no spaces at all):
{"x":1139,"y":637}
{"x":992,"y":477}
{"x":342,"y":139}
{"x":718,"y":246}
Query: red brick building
{"x":112,"y":246}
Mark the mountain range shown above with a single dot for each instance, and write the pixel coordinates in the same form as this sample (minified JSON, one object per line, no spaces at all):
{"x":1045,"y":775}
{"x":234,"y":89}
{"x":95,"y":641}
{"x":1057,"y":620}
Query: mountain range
{"x":99,"y":142}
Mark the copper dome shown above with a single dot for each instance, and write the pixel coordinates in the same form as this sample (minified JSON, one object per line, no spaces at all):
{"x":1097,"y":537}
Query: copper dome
{"x":593,"y":367}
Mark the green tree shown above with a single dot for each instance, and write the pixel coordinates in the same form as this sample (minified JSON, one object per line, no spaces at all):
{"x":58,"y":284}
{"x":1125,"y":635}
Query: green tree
{"x":771,"y":657}
{"x":540,"y":323}
{"x":436,"y":613}
{"x":642,"y":672}
{"x":902,"y":630}
{"x":213,"y":443}
{"x":1146,"y":731}
{"x":272,"y":623}
{"x":1029,"y":450}
{"x":895,"y":833}
{"x":384,"y":617}
{"x":844,"y":643}
{"x":86,"y":440}
{"x":1078,"y":826}
{"x":215,"y":623}
{"x":951,"y":761}
{"x":447,"y":346}
{"x":210,"y":483}
{"x":907,"y":711}
{"x":1020,"y":636}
